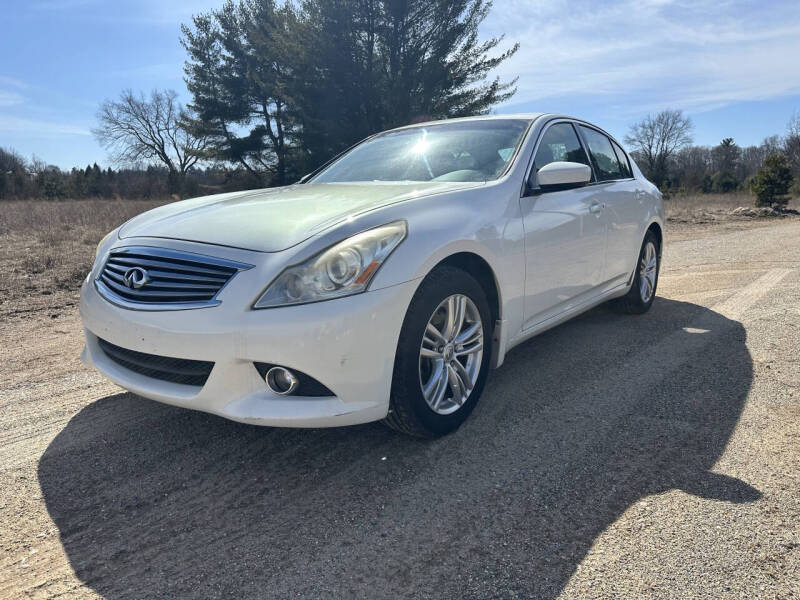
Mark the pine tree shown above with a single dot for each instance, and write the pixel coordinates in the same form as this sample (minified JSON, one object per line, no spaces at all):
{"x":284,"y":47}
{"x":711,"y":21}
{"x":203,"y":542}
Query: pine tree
{"x":278,"y":90}
{"x":239,"y":74}
{"x":772,"y":182}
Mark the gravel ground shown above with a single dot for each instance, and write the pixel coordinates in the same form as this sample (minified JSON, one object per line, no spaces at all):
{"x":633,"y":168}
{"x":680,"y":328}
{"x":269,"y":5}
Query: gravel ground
{"x":611,"y":457}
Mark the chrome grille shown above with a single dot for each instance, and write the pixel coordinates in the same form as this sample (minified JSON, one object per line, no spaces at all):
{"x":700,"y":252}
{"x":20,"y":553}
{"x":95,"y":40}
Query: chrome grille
{"x":162,"y":279}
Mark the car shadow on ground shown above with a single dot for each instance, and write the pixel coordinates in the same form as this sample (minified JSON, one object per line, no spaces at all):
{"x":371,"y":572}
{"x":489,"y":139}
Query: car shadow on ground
{"x":579,"y":424}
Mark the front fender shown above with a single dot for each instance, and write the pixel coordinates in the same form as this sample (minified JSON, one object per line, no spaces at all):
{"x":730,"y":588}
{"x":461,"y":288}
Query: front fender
{"x":487,"y":225}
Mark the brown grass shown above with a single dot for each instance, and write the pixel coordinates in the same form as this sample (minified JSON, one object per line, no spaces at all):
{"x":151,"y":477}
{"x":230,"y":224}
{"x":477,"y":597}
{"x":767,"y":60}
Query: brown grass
{"x":47,"y":247}
{"x":708,"y":208}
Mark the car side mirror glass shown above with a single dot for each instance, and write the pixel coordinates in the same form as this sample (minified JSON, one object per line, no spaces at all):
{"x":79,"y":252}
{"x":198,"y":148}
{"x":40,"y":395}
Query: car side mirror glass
{"x":563,"y":175}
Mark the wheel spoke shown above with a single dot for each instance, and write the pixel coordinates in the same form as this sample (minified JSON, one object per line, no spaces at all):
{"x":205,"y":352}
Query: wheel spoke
{"x":432,"y":384}
{"x":463,"y":376}
{"x":449,"y":316}
{"x":434,"y":336}
{"x":466,"y":335}
{"x":455,"y":316}
{"x":429,"y":353}
{"x":437,"y":372}
{"x":461,"y":305}
{"x":455,"y":385}
{"x":467,"y":350}
{"x":441,"y":388}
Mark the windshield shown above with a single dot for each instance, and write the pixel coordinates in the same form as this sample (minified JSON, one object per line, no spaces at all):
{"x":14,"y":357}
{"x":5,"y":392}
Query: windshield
{"x":459,"y":151}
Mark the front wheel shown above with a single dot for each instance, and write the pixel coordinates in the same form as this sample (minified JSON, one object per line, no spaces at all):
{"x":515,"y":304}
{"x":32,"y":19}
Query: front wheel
{"x":640,"y":297}
{"x":442,"y":355}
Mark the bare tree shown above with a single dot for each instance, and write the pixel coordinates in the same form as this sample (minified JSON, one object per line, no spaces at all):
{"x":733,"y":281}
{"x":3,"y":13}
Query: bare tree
{"x":11,"y":161}
{"x":656,"y":138}
{"x":139,"y":130}
{"x":792,"y":143}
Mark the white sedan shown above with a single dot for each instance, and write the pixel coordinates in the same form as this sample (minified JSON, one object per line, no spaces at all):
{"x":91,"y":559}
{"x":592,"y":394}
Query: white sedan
{"x":385,"y":285}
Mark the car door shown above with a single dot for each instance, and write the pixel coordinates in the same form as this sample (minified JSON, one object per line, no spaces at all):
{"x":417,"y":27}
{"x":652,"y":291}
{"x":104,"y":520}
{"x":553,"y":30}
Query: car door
{"x":623,"y":208}
{"x":565,"y":232}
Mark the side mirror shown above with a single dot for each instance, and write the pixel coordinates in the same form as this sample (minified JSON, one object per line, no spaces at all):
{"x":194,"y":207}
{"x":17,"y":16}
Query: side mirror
{"x":563,"y":175}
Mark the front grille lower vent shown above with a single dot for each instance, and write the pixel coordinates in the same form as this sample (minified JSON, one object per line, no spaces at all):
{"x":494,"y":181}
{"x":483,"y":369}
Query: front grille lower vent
{"x":165,"y":368}
{"x":160,"y":278}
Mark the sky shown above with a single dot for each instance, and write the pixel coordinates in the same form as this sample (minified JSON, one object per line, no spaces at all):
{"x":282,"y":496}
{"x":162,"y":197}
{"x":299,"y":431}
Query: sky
{"x":733,"y":66}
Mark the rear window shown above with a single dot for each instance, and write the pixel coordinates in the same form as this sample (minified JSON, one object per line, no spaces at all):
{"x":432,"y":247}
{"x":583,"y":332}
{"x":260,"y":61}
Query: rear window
{"x":602,"y":153}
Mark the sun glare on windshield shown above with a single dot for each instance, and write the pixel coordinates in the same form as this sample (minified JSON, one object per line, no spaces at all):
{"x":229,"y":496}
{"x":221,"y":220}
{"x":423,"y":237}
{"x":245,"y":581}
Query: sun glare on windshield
{"x":458,"y":151}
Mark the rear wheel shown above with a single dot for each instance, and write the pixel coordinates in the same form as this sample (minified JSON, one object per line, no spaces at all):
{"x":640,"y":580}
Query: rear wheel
{"x":442,"y":356}
{"x":640,"y":297}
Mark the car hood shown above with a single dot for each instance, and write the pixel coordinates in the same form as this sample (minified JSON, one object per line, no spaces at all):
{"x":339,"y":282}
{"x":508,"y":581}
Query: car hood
{"x":272,"y":220}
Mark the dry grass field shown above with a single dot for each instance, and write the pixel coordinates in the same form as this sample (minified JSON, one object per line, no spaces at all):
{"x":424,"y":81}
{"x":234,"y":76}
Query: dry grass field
{"x":47,"y":247}
{"x":698,"y":209}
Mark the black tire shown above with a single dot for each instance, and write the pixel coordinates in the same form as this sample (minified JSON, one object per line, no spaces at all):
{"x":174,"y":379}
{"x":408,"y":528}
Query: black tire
{"x":409,"y":413}
{"x":632,"y":303}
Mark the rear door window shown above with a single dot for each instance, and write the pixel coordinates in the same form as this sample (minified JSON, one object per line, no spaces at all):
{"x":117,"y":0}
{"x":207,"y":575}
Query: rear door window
{"x":602,"y":153}
{"x":624,"y":165}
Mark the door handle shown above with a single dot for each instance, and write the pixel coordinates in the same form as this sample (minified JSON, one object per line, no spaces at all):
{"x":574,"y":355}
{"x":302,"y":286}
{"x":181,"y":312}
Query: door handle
{"x":595,"y":207}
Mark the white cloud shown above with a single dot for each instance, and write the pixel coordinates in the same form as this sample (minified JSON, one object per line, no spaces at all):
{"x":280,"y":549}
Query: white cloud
{"x":38,"y":128}
{"x":10,"y":98}
{"x":643,"y":56}
{"x":12,"y":82}
{"x":52,"y":5}
{"x":142,"y":12}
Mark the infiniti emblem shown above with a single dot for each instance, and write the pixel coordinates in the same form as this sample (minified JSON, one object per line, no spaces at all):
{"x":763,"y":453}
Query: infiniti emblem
{"x":136,"y":277}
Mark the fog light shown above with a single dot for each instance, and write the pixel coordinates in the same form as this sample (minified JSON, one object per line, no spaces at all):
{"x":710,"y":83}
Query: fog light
{"x":281,"y":381}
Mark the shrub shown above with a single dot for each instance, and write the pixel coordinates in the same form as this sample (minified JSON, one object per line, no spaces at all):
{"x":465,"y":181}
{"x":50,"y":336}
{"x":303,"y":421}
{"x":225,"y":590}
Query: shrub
{"x":723,"y":182}
{"x":772,"y":182}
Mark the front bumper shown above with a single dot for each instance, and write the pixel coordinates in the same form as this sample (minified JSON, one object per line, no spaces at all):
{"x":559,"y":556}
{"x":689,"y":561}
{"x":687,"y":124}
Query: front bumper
{"x":347,"y":344}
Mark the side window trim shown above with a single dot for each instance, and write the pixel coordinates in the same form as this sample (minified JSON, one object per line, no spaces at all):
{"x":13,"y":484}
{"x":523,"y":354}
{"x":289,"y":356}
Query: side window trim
{"x":525,"y":192}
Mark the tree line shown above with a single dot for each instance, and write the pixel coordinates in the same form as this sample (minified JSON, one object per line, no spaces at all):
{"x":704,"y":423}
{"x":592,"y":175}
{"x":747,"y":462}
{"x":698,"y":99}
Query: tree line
{"x":276,"y":90}
{"x":662,"y":146}
{"x":24,"y":179}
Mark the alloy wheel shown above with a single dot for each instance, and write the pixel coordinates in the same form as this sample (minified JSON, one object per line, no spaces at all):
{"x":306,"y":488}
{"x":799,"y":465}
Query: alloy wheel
{"x":451,"y":354}
{"x":648,"y":268}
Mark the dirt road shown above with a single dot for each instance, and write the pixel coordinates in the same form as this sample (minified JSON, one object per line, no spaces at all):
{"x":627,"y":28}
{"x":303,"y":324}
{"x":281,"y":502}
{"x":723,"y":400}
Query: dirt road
{"x":654,"y":456}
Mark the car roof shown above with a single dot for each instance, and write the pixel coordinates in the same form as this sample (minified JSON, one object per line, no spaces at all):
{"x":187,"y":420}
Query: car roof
{"x":501,"y":117}
{"x":505,"y":116}
{"x":530,"y":117}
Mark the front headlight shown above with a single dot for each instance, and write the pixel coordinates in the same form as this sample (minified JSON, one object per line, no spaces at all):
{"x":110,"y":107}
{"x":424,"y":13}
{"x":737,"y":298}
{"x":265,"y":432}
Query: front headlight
{"x":341,"y":270}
